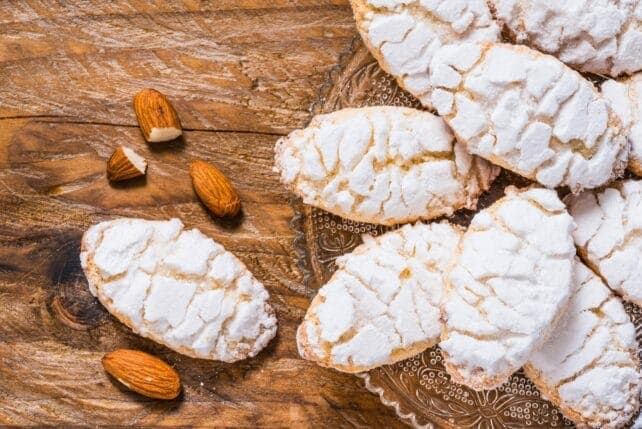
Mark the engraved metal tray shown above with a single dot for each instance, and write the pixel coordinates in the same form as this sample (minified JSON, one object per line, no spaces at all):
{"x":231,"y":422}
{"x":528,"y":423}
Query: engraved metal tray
{"x":419,"y":389}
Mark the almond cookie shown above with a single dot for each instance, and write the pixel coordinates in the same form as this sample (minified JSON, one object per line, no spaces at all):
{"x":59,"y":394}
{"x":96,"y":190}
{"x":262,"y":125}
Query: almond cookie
{"x":383,"y":165}
{"x":529,"y":113}
{"x":596,"y":36}
{"x":625,"y":98}
{"x":609,"y":235}
{"x":508,"y":286}
{"x":589,"y":366}
{"x":382,"y":304}
{"x":177,"y":287}
{"x":403,"y":35}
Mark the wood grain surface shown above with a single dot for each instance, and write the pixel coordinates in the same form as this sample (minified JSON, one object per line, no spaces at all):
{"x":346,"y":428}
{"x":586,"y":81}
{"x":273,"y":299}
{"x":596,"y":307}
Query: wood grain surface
{"x":240,"y":74}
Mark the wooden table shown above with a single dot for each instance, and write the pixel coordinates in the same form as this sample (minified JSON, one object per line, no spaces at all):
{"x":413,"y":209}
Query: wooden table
{"x":240,"y":73}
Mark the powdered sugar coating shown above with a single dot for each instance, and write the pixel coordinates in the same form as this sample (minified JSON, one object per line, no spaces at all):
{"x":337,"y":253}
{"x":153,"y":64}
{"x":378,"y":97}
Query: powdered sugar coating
{"x":625,"y":98}
{"x":403,"y":35}
{"x":382,"y":165}
{"x":529,"y":113}
{"x":597,"y":36}
{"x":589,"y":367}
{"x":382,"y":304}
{"x":509,"y":284}
{"x":177,"y":287}
{"x":609,"y":235}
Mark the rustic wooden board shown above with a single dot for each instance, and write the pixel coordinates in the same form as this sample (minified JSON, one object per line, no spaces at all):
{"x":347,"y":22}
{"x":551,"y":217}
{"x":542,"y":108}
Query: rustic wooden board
{"x":240,"y":73}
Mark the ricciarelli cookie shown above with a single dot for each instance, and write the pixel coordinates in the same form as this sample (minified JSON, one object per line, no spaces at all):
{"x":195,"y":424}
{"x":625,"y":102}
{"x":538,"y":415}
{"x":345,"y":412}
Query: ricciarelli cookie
{"x":589,"y":367}
{"x":178,"y":288}
{"x":609,"y":235}
{"x":596,"y":36}
{"x":383,"y":165}
{"x":404,"y":35}
{"x":529,"y":113}
{"x":508,"y":287}
{"x":382,"y":304}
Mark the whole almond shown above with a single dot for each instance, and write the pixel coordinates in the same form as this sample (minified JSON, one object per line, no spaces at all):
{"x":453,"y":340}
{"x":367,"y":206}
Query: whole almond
{"x":157,"y":118}
{"x":214,"y":189}
{"x":125,"y":164}
{"x":143,"y":373}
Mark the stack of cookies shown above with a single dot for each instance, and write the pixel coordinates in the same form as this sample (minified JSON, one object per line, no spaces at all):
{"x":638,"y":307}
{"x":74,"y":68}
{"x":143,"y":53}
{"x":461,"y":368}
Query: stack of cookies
{"x":535,"y":281}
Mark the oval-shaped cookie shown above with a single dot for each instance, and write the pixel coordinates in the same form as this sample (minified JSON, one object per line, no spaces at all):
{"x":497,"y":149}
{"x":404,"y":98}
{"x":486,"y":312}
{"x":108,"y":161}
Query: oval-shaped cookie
{"x":382,"y":304}
{"x":177,"y":287}
{"x":383,"y":165}
{"x":589,"y":366}
{"x":508,"y":286}
{"x":596,"y":36}
{"x":625,"y":98}
{"x":609,"y":235}
{"x":403,"y":35}
{"x":529,"y":113}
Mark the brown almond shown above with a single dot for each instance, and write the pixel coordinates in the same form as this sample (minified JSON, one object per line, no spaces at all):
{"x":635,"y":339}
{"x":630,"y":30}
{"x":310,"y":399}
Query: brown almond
{"x":157,"y":118}
{"x":214,"y":189}
{"x":143,"y":373}
{"x":125,"y":164}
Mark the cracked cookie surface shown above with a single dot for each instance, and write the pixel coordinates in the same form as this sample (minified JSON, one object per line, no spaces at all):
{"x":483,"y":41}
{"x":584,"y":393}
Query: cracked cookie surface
{"x":529,"y":113}
{"x":177,"y":287}
{"x":609,"y":235}
{"x":508,"y":286}
{"x":625,"y":98}
{"x":596,"y":36}
{"x":403,"y":35}
{"x":383,"y":165}
{"x":589,"y":366}
{"x":382,"y":304}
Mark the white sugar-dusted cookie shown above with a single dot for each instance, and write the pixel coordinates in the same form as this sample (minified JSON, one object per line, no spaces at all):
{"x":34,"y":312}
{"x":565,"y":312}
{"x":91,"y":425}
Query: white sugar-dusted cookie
{"x":177,"y":287}
{"x":609,"y":235}
{"x":597,"y":36}
{"x":529,"y":113}
{"x":382,"y":165}
{"x":508,"y":286}
{"x":589,"y":366}
{"x":382,"y":304}
{"x":625,"y":98}
{"x":403,"y":35}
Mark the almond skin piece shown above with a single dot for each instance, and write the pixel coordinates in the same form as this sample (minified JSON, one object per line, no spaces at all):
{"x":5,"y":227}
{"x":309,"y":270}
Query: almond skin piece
{"x":214,"y":189}
{"x":125,"y":164}
{"x":143,"y":373}
{"x":157,"y":118}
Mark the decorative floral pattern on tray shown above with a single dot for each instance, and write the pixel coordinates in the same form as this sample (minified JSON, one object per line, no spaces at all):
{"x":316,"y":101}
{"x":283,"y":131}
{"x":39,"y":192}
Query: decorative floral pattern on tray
{"x":419,"y":388}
